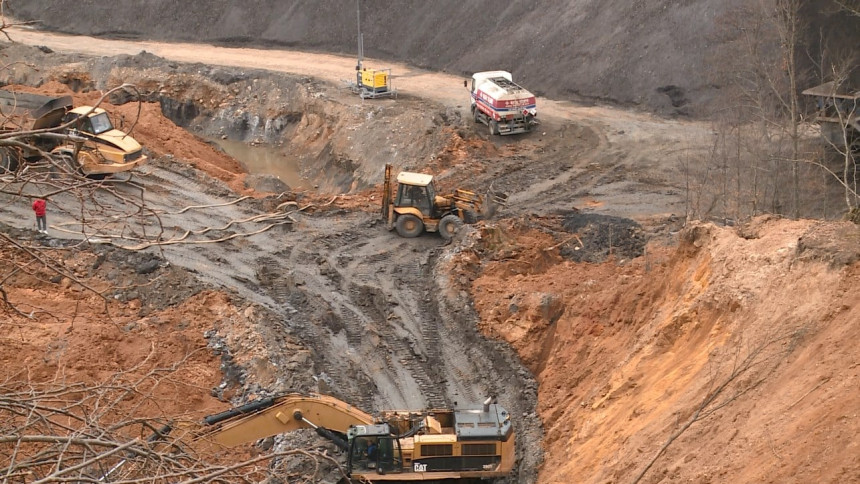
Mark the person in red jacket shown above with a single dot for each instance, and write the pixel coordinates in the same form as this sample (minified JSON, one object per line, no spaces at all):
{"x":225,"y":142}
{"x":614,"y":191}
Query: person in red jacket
{"x":39,"y":207}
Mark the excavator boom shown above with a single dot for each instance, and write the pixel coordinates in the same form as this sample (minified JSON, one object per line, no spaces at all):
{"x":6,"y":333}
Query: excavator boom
{"x":285,"y":413}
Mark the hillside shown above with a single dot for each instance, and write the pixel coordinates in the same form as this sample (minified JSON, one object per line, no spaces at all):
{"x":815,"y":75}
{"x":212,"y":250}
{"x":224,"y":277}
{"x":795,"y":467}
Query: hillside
{"x":655,"y":54}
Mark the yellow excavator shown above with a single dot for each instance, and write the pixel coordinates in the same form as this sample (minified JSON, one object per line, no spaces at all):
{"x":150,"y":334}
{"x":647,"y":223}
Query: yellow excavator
{"x":395,"y":446}
{"x":415,"y":206}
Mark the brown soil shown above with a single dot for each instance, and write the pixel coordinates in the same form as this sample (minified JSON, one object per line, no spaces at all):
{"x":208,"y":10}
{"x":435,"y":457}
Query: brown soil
{"x":625,"y":354}
{"x":83,"y":334}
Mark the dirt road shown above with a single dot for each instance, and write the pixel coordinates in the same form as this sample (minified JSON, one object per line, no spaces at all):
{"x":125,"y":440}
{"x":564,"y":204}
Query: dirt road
{"x":617,"y":126}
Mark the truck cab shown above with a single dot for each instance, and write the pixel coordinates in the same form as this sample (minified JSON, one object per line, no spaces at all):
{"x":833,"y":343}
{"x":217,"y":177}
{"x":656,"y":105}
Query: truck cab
{"x":107,"y":150}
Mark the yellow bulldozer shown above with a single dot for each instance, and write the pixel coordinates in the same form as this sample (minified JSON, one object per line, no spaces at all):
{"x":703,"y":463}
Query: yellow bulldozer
{"x":415,"y":206}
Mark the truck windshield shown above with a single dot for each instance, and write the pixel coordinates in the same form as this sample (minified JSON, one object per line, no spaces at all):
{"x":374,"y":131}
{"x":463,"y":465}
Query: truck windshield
{"x":100,"y":123}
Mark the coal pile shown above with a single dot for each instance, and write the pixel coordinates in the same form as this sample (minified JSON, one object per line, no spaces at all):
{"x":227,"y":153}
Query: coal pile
{"x":600,"y":236}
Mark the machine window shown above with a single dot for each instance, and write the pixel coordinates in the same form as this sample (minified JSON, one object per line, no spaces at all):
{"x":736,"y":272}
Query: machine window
{"x":100,"y":123}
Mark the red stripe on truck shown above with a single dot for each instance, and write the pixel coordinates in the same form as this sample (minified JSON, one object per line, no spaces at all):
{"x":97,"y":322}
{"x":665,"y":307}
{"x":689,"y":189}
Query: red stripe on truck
{"x":505,"y":103}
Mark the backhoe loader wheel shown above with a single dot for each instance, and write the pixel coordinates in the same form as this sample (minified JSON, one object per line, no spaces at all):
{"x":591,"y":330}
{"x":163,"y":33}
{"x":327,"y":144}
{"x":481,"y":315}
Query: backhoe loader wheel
{"x":409,"y":226}
{"x":449,"y":225}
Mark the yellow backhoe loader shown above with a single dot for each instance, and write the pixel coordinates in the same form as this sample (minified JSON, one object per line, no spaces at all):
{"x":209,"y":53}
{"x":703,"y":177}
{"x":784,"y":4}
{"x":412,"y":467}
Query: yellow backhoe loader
{"x":414,"y":206}
{"x":395,"y":446}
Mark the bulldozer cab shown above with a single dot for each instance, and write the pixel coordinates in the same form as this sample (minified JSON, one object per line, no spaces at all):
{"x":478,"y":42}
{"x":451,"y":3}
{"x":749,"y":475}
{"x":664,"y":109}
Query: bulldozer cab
{"x":416,"y":190}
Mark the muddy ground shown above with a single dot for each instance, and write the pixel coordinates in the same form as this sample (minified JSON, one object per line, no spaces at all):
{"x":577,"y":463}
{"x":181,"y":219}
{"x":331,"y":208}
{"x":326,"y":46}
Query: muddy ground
{"x":310,"y":292}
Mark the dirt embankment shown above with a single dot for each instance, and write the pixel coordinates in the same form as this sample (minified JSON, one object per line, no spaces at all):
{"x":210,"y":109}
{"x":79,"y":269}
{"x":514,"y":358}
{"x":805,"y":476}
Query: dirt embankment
{"x":747,"y":334}
{"x":101,"y":316}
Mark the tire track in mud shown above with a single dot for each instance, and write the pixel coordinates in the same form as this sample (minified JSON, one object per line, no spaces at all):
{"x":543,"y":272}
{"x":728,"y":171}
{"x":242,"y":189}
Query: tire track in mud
{"x":383,"y":277}
{"x":537,"y":187}
{"x":599,"y":160}
{"x":302,"y":279}
{"x":357,"y":298}
{"x":171,"y":187}
{"x":366,"y":307}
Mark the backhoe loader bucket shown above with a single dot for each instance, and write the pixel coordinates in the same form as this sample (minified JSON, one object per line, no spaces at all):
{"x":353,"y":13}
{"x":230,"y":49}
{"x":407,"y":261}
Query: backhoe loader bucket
{"x":466,"y":196}
{"x":494,"y":201}
{"x":498,"y":198}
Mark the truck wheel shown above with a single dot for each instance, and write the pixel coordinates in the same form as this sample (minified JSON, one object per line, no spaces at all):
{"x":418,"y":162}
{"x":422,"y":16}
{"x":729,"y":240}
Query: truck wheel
{"x":8,"y":160}
{"x":476,"y":114}
{"x":449,"y":225}
{"x":494,"y":127}
{"x":64,"y":166}
{"x":409,"y":226}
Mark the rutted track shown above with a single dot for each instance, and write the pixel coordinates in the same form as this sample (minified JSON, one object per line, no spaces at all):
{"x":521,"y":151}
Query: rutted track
{"x":362,"y":299}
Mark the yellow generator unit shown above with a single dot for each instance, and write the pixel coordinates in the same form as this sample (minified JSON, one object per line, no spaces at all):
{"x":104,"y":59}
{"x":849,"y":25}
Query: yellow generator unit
{"x":375,"y":80}
{"x":373,"y":83}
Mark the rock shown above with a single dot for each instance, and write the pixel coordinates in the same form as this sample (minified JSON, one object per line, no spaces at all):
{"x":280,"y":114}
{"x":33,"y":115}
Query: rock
{"x":227,"y":76}
{"x":148,"y":267}
{"x":266,"y":183}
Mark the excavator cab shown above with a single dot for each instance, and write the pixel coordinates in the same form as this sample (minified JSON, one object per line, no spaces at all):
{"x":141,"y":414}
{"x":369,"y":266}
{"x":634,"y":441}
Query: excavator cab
{"x":373,"y":448}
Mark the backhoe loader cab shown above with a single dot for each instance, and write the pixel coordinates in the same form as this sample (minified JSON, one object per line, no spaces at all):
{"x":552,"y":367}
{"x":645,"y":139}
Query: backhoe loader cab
{"x":415,"y":206}
{"x":416,"y":190}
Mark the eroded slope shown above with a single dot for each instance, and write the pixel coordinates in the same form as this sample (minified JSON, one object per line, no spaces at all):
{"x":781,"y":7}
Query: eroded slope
{"x":735,"y":344}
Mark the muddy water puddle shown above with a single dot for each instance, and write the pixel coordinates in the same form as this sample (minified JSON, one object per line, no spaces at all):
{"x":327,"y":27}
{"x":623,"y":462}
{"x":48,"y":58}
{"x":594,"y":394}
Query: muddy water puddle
{"x":269,"y":160}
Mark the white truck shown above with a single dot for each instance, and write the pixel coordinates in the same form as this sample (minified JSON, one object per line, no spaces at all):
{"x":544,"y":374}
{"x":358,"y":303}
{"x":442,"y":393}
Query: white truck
{"x":501,"y":104}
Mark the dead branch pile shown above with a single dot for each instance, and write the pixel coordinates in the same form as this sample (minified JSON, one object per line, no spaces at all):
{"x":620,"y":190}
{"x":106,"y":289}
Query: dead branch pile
{"x":58,"y":432}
